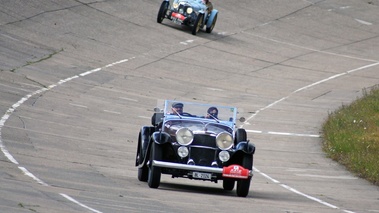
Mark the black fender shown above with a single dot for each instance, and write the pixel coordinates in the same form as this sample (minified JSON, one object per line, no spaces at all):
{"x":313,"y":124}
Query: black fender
{"x":246,"y":147}
{"x":158,"y":138}
{"x":143,"y":142}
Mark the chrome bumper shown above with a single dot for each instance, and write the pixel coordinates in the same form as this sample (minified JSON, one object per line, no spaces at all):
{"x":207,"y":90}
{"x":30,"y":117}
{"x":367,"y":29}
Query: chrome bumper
{"x":190,"y":167}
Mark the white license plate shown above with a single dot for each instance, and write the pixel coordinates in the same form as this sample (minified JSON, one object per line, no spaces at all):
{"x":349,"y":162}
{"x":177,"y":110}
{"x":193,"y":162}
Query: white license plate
{"x":177,"y":21}
{"x":201,"y":175}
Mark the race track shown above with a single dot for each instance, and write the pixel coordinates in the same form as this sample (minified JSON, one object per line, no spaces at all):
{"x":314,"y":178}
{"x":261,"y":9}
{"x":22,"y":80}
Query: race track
{"x":78,"y":78}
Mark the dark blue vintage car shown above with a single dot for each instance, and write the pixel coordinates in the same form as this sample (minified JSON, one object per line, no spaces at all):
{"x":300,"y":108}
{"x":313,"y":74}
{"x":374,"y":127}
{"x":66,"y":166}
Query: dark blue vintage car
{"x":195,"y":141}
{"x":192,"y":13}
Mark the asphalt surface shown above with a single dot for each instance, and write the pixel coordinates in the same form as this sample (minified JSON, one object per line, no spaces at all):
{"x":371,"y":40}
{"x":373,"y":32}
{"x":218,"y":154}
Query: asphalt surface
{"x":79,"y":78}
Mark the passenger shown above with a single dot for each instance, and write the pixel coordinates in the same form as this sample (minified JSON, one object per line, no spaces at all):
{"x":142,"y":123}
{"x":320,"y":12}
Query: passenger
{"x":209,"y":5}
{"x":212,"y":113}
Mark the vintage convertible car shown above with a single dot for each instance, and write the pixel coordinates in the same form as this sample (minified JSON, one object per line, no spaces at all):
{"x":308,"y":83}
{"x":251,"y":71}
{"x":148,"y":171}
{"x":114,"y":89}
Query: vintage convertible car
{"x":191,"y":13}
{"x":202,"y":143}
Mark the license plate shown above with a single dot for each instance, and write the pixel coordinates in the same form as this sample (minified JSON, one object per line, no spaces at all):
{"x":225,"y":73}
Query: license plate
{"x":177,"y":21}
{"x":201,"y":175}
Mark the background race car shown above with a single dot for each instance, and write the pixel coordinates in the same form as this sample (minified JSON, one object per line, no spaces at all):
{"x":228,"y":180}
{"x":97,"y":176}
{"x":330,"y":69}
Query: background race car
{"x":193,"y":13}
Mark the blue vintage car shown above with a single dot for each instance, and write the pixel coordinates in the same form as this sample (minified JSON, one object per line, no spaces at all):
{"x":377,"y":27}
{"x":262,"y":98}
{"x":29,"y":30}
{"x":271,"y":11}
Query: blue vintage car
{"x":192,"y":13}
{"x":195,"y":141}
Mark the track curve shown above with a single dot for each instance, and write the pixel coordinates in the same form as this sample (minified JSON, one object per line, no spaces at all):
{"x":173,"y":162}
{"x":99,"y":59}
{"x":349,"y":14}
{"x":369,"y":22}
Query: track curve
{"x":79,"y":78}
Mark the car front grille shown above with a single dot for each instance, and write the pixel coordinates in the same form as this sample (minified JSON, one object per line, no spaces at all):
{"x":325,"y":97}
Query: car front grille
{"x":202,"y":156}
{"x":203,"y":150}
{"x":204,"y":140}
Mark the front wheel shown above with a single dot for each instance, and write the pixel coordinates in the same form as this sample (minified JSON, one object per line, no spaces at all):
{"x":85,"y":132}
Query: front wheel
{"x":243,"y":185}
{"x":198,"y":23}
{"x":162,"y":11}
{"x":143,"y":173}
{"x":228,"y":185}
{"x":209,"y":29}
{"x":154,"y":178}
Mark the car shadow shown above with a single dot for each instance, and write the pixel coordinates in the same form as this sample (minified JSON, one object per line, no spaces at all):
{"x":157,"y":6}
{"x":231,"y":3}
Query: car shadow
{"x":188,"y":30}
{"x":216,"y":190}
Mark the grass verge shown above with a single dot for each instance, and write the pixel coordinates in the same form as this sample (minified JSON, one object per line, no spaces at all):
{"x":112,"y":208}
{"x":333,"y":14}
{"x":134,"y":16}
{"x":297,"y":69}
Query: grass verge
{"x":351,"y":136}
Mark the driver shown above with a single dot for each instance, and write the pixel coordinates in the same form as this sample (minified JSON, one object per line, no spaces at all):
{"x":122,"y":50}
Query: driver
{"x":177,"y":108}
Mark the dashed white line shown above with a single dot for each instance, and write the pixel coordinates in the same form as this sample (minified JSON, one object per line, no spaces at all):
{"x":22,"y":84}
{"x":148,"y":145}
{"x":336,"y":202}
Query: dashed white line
{"x":27,"y":173}
{"x":112,"y":112}
{"x":128,"y":99}
{"x":300,"y":193}
{"x":78,"y":203}
{"x":9,"y":112}
{"x":363,"y":22}
{"x":284,"y":133}
{"x":328,"y":177}
{"x":78,"y":105}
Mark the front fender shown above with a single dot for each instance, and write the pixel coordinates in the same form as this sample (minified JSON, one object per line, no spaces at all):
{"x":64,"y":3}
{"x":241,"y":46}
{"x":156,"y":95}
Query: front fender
{"x":211,"y":17}
{"x":143,"y":141}
{"x":161,"y":137}
{"x":156,"y":137}
{"x":246,"y":147}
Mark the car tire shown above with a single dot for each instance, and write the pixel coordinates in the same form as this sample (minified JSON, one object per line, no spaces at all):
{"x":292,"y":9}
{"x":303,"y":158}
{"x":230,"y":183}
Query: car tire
{"x":228,"y":185}
{"x":162,"y":11}
{"x":243,"y":186}
{"x":209,"y":29}
{"x":143,"y":173}
{"x":154,"y":177}
{"x":199,"y":21}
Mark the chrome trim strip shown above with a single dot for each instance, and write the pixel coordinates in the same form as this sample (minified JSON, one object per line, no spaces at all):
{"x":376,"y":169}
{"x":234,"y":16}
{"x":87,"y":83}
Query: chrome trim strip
{"x":190,"y":167}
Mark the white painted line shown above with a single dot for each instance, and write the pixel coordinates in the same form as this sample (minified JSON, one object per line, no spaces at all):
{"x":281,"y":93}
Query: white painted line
{"x":363,"y":22}
{"x":80,"y":204}
{"x":113,"y":112}
{"x":78,"y":105}
{"x":300,"y":193}
{"x":9,"y":112}
{"x":328,"y":177}
{"x":284,"y":133}
{"x":67,"y":79}
{"x":144,"y":117}
{"x":27,"y":173}
{"x":309,"y":197}
{"x":214,"y":89}
{"x":128,"y":99}
{"x":311,"y":85}
{"x":310,"y":49}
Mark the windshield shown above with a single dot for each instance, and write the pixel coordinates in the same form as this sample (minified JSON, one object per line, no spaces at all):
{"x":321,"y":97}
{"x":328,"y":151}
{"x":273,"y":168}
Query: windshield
{"x":220,"y":114}
{"x":196,"y":126}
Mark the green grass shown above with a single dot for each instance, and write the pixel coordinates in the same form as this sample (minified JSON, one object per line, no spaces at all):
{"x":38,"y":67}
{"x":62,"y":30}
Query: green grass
{"x":351,"y":136}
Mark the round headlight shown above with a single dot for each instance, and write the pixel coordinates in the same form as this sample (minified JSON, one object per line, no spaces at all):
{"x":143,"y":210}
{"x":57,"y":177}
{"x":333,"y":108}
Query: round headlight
{"x":184,"y":136}
{"x":175,"y":5}
{"x":224,"y":156}
{"x":183,"y":151}
{"x":189,"y":10}
{"x":224,"y":141}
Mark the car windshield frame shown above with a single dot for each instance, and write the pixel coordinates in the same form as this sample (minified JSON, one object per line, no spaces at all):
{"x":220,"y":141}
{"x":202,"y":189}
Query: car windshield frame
{"x":198,"y":111}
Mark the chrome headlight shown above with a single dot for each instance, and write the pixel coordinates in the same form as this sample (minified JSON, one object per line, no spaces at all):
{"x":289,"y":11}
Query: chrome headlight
{"x":175,"y":5}
{"x":189,"y":10}
{"x":184,"y":136}
{"x":224,"y":156}
{"x":183,"y":151}
{"x":224,"y":141}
